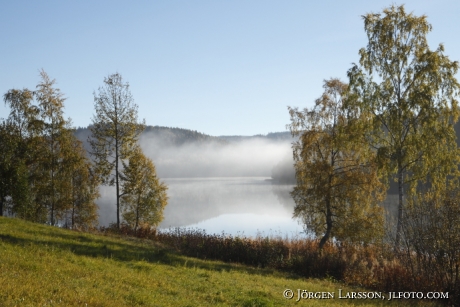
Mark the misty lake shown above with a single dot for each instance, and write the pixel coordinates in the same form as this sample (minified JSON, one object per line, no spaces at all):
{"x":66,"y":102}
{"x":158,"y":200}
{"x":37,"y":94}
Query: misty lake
{"x":235,"y":205}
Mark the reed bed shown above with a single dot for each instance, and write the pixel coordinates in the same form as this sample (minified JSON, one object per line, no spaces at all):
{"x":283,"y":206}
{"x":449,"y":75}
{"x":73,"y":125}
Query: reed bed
{"x":375,"y":267}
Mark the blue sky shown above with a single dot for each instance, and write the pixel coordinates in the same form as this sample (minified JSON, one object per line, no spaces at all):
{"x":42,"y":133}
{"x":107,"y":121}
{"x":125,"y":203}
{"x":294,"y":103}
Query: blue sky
{"x":218,"y":67}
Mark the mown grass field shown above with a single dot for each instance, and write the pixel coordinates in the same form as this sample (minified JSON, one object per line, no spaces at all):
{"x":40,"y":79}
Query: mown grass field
{"x":47,"y":266}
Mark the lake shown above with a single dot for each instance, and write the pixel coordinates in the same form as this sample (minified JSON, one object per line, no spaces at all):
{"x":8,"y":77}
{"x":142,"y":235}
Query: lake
{"x":234,"y":205}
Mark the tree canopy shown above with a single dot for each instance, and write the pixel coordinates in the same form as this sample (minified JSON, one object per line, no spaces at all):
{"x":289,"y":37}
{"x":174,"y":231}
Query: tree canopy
{"x":408,"y":93}
{"x":338,"y":188}
{"x":144,"y":196}
{"x":40,"y":156}
{"x":115,"y":131}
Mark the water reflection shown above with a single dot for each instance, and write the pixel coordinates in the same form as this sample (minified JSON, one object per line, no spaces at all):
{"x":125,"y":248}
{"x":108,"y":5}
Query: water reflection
{"x":252,"y":225}
{"x":234,"y":205}
{"x":230,"y":204}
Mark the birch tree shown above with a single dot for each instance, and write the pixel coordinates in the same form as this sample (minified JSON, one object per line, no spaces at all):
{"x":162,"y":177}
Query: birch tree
{"x":17,"y":156}
{"x":115,"y":130}
{"x":56,"y":139}
{"x":410,"y":92}
{"x":144,"y":196}
{"x":41,"y":158}
{"x":338,"y":188}
{"x":83,"y":188}
{"x":14,"y":187}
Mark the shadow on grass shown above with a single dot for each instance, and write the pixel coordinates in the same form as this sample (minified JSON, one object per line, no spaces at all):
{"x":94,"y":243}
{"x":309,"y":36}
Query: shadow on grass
{"x":117,"y":249}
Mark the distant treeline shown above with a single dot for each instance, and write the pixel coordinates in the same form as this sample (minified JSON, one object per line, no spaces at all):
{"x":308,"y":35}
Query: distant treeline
{"x":180,"y":136}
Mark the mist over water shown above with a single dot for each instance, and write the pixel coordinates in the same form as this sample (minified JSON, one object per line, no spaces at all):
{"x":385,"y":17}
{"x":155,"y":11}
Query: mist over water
{"x":194,"y":200}
{"x":218,"y":186}
{"x":234,"y":205}
{"x":246,"y":158}
{"x":223,"y":186}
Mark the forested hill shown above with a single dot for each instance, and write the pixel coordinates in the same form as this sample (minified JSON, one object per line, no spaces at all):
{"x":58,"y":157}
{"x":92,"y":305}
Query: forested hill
{"x":180,"y":136}
{"x":272,"y":136}
{"x":165,"y":135}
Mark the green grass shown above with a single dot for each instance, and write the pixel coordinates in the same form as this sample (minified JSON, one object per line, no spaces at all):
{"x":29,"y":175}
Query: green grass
{"x":47,"y":266}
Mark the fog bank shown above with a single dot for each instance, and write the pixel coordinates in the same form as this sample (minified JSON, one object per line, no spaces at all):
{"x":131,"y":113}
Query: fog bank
{"x":211,"y":176}
{"x":244,"y":158}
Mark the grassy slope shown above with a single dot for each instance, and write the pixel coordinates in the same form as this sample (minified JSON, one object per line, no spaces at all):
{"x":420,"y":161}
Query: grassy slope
{"x":47,"y":266}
